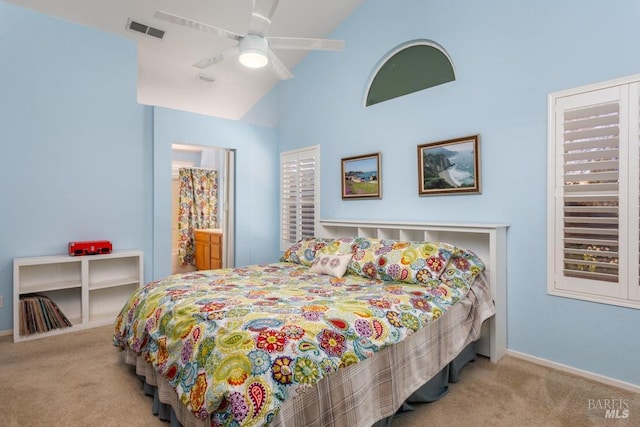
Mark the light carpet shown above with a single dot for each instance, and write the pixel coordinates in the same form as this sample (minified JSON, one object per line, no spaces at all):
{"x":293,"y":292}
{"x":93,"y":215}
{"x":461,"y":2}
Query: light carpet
{"x":79,"y":379}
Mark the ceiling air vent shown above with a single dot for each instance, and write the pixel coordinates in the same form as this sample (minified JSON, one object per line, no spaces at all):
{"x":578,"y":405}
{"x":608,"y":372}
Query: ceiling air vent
{"x":206,"y":78}
{"x":144,"y":29}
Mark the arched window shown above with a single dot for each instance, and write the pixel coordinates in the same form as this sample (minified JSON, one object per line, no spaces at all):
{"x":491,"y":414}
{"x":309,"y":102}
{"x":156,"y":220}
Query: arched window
{"x":408,"y":68}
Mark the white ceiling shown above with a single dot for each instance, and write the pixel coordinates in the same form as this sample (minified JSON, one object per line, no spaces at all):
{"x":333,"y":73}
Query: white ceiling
{"x":166,"y":76}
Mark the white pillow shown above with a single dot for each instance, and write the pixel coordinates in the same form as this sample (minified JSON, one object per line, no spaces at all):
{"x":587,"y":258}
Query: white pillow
{"x":333,"y":265}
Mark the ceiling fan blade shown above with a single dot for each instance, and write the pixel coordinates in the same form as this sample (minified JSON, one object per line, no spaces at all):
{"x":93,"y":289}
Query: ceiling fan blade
{"x":278,"y":67}
{"x":305,"y":44}
{"x":208,"y":62}
{"x":200,"y":26}
{"x":261,"y":15}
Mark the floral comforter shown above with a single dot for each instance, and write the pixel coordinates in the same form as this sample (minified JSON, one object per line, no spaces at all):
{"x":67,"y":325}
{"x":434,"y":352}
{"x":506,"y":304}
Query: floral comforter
{"x":236,"y":343}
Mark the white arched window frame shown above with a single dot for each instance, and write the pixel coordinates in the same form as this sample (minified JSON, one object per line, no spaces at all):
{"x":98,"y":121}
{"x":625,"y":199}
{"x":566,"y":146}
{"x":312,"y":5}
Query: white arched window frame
{"x":395,"y":51}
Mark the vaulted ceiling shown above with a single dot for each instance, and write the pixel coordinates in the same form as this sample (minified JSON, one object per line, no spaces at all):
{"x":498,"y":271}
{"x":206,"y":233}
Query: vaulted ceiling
{"x":166,"y":73}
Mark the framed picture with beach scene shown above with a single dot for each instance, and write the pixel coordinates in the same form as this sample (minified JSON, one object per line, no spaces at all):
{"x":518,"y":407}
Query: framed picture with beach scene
{"x":450,"y":166}
{"x":361,"y":177}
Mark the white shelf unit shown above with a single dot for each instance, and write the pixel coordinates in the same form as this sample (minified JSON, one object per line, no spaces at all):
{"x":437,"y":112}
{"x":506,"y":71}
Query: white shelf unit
{"x":90,"y":290}
{"x":488,"y":241}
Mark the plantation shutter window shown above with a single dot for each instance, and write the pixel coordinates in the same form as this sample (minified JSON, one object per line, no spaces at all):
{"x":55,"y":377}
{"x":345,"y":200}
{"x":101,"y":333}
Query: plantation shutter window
{"x":299,"y":171}
{"x":594,"y":196}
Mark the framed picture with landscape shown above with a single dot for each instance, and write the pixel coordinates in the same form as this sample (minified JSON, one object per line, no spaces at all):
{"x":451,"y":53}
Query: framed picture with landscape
{"x":450,"y":166}
{"x":361,"y":177}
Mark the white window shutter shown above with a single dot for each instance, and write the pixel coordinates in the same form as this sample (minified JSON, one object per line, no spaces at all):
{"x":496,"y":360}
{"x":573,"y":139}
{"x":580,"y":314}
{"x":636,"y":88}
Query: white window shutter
{"x":594,"y":220}
{"x":299,"y":172}
{"x":634,"y":192}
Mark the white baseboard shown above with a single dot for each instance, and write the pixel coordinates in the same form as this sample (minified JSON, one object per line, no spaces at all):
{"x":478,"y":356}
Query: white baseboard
{"x":565,"y":368}
{"x":6,"y":333}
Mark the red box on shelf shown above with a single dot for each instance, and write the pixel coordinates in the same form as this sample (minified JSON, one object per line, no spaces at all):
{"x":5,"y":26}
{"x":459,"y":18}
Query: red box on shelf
{"x":90,"y":248}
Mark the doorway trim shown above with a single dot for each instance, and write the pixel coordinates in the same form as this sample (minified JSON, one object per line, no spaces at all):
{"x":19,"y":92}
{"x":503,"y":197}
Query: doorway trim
{"x":227,"y":203}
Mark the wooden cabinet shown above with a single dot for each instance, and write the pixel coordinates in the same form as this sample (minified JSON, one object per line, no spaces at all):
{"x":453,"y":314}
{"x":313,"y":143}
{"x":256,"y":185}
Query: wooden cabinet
{"x":89,"y":290}
{"x":208,"y":249}
{"x":203,"y":250}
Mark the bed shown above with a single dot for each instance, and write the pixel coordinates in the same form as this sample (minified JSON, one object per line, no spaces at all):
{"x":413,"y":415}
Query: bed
{"x":340,"y":332}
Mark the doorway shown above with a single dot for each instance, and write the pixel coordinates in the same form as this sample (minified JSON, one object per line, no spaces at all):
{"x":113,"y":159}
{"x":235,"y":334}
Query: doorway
{"x":214,"y":158}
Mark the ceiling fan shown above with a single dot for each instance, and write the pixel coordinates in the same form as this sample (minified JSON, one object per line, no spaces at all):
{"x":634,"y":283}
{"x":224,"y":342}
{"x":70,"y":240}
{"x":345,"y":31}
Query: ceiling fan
{"x":254,"y":49}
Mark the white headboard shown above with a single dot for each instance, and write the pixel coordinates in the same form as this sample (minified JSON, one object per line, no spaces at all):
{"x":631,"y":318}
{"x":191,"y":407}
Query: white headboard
{"x":488,"y":241}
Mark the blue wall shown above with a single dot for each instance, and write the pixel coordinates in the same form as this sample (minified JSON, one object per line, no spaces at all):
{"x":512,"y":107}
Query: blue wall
{"x":80,"y":159}
{"x":508,"y":57}
{"x":257,"y":178}
{"x":75,"y":147}
{"x":68,"y":109}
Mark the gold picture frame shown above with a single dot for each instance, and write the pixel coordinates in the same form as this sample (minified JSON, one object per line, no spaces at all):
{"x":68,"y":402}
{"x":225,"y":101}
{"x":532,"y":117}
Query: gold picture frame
{"x":361,"y":177}
{"x":449,"y":167}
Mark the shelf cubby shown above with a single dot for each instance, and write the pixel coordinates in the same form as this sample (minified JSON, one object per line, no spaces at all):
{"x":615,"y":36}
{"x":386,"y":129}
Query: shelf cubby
{"x":90,"y":290}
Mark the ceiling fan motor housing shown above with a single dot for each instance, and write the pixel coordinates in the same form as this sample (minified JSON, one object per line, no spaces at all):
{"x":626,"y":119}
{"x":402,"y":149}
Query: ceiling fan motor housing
{"x":254,"y":48}
{"x":253,"y":51}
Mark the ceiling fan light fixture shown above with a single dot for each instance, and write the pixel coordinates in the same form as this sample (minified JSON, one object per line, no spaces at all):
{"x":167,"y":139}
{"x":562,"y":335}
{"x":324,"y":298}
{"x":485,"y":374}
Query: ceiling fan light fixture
{"x":253,"y":51}
{"x":253,"y":59}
